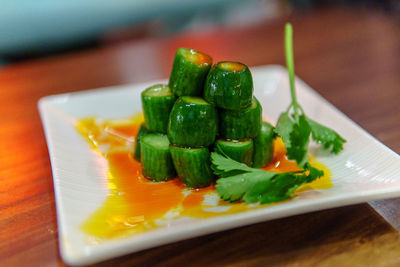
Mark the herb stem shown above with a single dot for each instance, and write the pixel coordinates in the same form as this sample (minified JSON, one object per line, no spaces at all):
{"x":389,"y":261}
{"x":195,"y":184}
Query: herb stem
{"x":290,"y":64}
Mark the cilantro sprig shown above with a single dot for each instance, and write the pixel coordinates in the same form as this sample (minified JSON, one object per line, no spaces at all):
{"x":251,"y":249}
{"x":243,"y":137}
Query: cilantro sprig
{"x":239,"y":182}
{"x":294,"y":127}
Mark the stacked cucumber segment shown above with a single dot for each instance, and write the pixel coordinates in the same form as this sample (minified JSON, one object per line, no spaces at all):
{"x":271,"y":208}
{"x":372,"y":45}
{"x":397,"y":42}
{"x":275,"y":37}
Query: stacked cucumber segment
{"x":239,"y":150}
{"x":193,"y":165}
{"x":157,"y":102}
{"x":142,"y":131}
{"x":189,"y":70}
{"x":241,"y":124}
{"x":264,"y":146}
{"x":155,"y":157}
{"x":202,"y":109}
{"x":229,"y":86}
{"x":192,"y":122}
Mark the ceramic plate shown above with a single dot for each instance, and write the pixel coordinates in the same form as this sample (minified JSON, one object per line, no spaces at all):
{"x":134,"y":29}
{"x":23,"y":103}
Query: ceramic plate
{"x":365,"y":170}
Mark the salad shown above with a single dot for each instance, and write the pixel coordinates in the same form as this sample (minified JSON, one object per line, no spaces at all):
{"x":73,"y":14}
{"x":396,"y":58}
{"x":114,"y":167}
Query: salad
{"x":206,"y":125}
{"x":201,"y":149}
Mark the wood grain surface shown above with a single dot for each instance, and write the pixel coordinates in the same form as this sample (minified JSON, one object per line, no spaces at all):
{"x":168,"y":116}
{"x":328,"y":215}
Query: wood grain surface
{"x":351,"y":57}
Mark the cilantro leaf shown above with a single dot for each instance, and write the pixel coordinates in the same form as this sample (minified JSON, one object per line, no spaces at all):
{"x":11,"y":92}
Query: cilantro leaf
{"x":237,"y":187}
{"x":226,"y":166}
{"x":328,"y":137}
{"x":313,"y":173}
{"x":284,"y":127}
{"x":295,"y":135}
{"x":255,"y":185}
{"x":293,"y":126}
{"x":281,"y":186}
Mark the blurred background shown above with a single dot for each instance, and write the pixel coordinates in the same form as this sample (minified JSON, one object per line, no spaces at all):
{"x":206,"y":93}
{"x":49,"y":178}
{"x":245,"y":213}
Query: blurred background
{"x":41,"y":28}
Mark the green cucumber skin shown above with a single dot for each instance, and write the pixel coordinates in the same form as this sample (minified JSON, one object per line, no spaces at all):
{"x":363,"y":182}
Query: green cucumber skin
{"x":226,"y":89}
{"x":142,"y":131}
{"x":187,"y":78}
{"x":241,"y":151}
{"x":156,"y":161}
{"x":192,"y":125}
{"x":156,"y":111}
{"x":264,"y":146}
{"x":239,"y":125}
{"x":193,"y":166}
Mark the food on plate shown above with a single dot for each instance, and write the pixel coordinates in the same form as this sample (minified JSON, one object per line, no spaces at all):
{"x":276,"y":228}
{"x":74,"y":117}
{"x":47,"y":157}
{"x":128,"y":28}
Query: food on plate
{"x":294,"y":127}
{"x":155,"y":157}
{"x":142,"y":131}
{"x":193,"y":122}
{"x":241,"y":124}
{"x":230,"y":112}
{"x":200,"y":145}
{"x":239,"y":150}
{"x":229,"y":85}
{"x":189,"y":71}
{"x":193,"y":165}
{"x":240,"y":182}
{"x":263,"y":145}
{"x":157,"y":102}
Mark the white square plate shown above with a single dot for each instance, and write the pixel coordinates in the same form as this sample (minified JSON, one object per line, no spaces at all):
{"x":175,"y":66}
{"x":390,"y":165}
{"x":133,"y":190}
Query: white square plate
{"x":365,"y":170}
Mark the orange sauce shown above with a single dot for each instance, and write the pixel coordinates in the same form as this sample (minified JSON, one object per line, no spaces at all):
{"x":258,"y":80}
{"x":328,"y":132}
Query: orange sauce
{"x":136,"y":204}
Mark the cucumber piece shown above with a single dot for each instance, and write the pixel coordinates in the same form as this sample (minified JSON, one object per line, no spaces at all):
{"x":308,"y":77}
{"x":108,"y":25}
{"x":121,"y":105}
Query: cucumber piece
{"x":157,"y":102}
{"x":239,"y":150}
{"x":155,"y":157}
{"x":264,"y":146}
{"x":229,"y":85}
{"x":142,"y":131}
{"x":192,"y":123}
{"x":244,"y":124}
{"x":193,"y":165}
{"x":189,"y":72}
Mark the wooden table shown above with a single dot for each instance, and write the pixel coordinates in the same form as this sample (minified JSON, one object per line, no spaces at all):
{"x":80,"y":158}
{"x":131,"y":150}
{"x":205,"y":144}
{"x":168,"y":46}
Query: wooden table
{"x":350,"y":57}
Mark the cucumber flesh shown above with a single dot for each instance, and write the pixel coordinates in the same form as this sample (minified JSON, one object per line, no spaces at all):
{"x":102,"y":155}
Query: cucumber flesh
{"x":193,"y":166}
{"x":241,"y":151}
{"x":231,"y":66}
{"x":192,"y":123}
{"x":189,"y":71}
{"x":229,"y":85}
{"x":243,"y":124}
{"x":264,"y":146}
{"x":157,"y":102}
{"x":155,"y":157}
{"x":142,"y":131}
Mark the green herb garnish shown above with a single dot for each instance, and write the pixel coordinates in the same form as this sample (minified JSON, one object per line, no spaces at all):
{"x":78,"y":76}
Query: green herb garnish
{"x":239,"y":182}
{"x":293,"y":125}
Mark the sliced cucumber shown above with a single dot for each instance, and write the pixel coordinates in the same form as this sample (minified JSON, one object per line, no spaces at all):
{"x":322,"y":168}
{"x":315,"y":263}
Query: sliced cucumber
{"x":193,"y":165}
{"x":244,"y":124}
{"x":157,"y":102}
{"x":241,"y":151}
{"x":189,"y":72}
{"x":142,"y":131}
{"x":229,"y":85}
{"x":264,"y":146}
{"x":155,"y":157}
{"x":192,"y":122}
